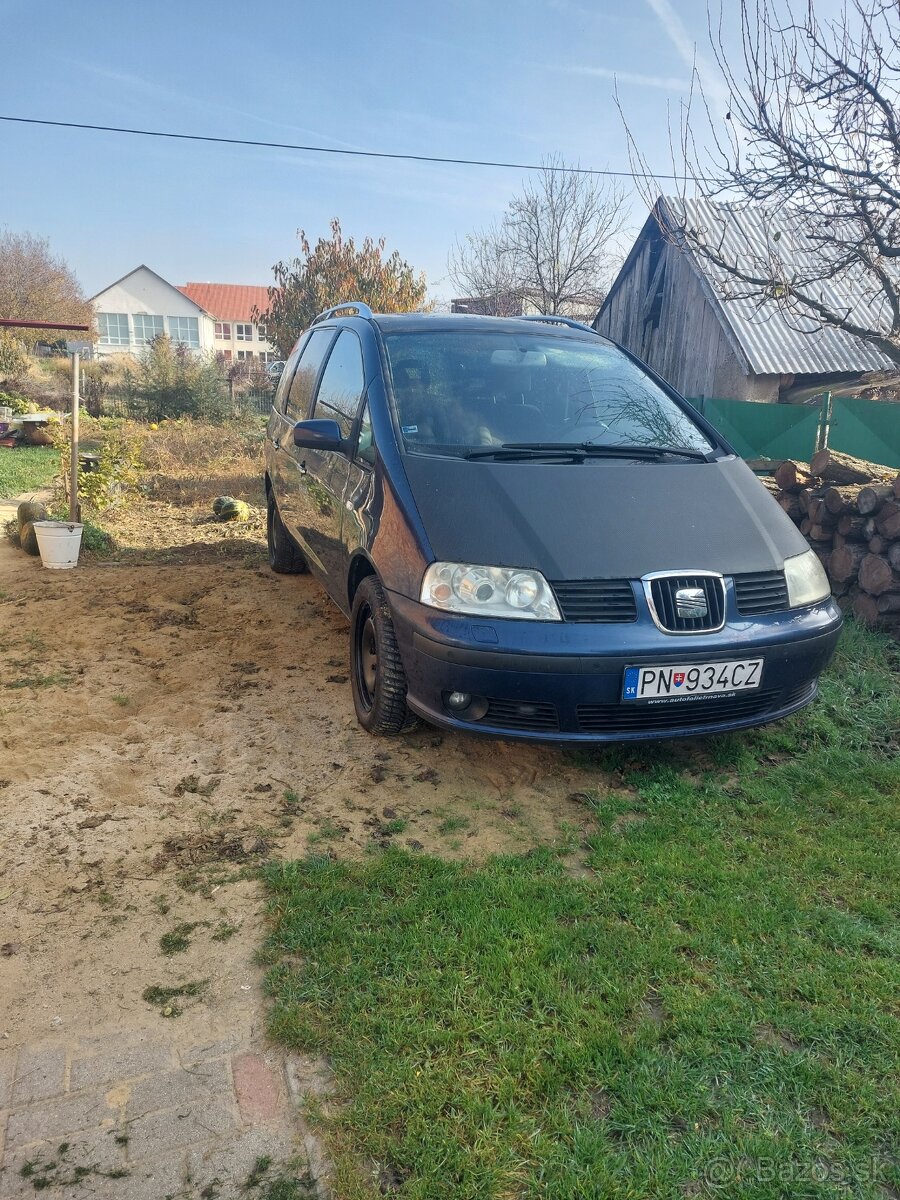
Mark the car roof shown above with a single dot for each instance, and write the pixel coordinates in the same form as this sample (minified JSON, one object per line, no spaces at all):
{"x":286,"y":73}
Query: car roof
{"x":456,"y":322}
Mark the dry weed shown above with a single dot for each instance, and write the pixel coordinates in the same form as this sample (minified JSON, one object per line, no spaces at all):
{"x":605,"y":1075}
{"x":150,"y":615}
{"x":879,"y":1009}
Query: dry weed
{"x":190,"y":462}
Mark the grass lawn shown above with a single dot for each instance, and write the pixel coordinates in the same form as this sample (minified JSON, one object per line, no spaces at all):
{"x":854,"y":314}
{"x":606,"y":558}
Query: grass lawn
{"x":27,"y":469}
{"x":711,"y":1009}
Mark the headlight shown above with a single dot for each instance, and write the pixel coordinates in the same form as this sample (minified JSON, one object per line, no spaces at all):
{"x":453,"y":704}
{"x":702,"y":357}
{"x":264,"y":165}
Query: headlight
{"x":806,"y":580}
{"x":489,"y":591}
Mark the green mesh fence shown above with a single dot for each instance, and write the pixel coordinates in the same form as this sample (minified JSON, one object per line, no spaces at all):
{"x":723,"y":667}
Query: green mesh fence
{"x":765,"y":430}
{"x":865,"y":428}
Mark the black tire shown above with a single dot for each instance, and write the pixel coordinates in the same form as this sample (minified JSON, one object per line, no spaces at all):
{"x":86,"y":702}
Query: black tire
{"x":376,"y":670}
{"x":285,"y":557}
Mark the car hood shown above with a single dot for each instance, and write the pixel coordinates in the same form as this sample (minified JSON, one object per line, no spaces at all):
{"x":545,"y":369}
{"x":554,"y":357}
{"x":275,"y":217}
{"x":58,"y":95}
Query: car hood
{"x":602,"y":518}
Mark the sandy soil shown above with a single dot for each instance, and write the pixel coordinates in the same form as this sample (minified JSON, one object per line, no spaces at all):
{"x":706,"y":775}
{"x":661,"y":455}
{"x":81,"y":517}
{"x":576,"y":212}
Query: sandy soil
{"x":172,"y":718}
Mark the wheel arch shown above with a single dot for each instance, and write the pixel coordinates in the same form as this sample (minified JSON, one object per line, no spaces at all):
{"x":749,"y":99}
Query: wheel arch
{"x":361,"y":567}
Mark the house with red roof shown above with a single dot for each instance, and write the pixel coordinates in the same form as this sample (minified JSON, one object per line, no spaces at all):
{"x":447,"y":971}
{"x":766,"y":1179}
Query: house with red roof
{"x":237,"y":336}
{"x":140,"y":306}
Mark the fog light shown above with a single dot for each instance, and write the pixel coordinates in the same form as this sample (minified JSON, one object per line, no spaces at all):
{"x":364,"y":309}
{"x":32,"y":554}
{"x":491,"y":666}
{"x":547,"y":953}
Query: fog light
{"x":458,"y":700}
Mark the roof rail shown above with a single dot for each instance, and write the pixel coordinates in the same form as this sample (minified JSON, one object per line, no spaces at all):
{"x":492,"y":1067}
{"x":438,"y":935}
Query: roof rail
{"x":553,"y":320}
{"x":362,"y":310}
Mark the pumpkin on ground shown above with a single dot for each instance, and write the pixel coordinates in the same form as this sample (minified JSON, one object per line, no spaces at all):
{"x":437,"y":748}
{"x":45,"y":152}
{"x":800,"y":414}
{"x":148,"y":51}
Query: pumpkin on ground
{"x":28,"y":538}
{"x":30,"y":510}
{"x":233,"y":510}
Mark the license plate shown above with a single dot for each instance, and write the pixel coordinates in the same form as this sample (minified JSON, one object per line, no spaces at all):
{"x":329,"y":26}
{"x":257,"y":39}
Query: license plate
{"x":693,"y":679}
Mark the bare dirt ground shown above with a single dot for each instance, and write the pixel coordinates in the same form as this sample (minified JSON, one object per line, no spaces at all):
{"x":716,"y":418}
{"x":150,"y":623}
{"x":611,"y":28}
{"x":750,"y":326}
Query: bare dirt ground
{"x":175,"y":716}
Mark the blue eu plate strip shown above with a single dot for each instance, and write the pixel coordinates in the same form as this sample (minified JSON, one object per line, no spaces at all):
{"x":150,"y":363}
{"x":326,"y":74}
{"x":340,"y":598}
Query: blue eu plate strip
{"x":630,"y":686}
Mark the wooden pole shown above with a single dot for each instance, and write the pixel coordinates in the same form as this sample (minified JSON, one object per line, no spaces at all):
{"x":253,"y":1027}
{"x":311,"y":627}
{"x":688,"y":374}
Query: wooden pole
{"x":73,"y":463}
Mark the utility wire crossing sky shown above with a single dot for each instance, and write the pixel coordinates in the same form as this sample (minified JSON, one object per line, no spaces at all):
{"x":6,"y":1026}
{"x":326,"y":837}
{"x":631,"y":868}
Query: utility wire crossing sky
{"x":426,"y":158}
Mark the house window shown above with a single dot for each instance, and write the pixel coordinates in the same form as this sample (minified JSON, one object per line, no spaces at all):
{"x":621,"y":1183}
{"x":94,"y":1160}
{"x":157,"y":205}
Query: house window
{"x":243,"y":333}
{"x":146,"y":328}
{"x":268,"y":356}
{"x":261,"y":332}
{"x":113,"y":329}
{"x":185,"y":330}
{"x":244,"y":355}
{"x":226,"y":354}
{"x":223,"y":330}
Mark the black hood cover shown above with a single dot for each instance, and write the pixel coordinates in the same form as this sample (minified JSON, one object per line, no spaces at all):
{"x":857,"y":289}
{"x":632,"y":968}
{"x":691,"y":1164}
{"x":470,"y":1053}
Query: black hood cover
{"x":602,"y":518}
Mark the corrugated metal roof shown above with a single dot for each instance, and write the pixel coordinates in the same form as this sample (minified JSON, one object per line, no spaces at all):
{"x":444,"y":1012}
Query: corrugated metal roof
{"x":775,"y":340}
{"x":228,"y":301}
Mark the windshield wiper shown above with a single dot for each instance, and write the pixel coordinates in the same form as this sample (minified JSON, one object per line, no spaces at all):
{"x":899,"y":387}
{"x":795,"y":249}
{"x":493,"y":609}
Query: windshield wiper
{"x":609,"y":451}
{"x":515,"y":453}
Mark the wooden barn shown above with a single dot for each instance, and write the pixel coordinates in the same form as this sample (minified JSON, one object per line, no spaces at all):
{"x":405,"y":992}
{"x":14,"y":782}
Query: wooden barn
{"x":687,"y":319}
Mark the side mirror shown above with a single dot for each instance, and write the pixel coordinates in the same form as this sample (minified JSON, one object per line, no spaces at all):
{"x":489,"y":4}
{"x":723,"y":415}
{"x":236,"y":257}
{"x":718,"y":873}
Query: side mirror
{"x":318,"y":435}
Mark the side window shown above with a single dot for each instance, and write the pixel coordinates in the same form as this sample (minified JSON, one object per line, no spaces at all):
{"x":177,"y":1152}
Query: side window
{"x":284,"y":381}
{"x":342,"y":383}
{"x":311,"y":358}
{"x":365,"y":448}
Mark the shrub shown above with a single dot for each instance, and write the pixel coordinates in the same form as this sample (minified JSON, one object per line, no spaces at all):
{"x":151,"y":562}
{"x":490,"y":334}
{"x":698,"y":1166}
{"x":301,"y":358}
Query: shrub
{"x":14,"y":358}
{"x":116,"y":476}
{"x":17,"y":402}
{"x":171,"y":381}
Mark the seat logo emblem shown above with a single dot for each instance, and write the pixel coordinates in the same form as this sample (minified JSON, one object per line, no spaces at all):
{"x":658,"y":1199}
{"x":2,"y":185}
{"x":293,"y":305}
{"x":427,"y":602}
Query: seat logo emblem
{"x":691,"y":603}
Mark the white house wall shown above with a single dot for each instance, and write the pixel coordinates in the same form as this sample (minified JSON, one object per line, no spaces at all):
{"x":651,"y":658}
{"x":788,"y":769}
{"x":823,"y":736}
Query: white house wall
{"x":258,"y":347}
{"x":144,"y":293}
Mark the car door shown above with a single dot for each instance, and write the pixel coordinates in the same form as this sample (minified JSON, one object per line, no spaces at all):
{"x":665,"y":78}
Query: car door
{"x":359,"y":493}
{"x":278,"y":440}
{"x":320,"y":498}
{"x":291,"y":484}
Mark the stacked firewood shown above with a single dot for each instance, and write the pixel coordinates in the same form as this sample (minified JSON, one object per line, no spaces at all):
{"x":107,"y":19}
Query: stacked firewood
{"x":849,"y":512}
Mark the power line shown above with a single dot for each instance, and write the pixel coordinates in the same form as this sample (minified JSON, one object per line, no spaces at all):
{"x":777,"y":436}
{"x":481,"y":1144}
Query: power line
{"x":424,"y":158}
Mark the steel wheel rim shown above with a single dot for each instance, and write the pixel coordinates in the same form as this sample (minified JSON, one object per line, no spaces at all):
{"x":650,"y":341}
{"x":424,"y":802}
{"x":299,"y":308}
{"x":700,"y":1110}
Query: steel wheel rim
{"x":366,"y":658}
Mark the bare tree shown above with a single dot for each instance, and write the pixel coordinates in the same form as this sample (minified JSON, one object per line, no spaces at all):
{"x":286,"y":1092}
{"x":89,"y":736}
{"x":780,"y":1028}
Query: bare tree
{"x":482,"y":268}
{"x":562,"y":233}
{"x":811,"y":138}
{"x":555,"y":246}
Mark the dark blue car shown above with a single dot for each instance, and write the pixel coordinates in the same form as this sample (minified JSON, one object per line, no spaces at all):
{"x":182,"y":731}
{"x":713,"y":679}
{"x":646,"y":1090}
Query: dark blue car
{"x":534,"y":536}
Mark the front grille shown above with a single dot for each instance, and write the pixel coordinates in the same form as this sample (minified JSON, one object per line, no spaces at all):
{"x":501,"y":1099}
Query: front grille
{"x":760,"y":592}
{"x":633,"y":717}
{"x":663,"y":593}
{"x":604,"y":600}
{"x":522,"y":714}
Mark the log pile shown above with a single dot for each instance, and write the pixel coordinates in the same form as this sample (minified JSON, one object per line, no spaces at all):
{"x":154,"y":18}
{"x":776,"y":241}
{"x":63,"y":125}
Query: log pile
{"x":849,"y":512}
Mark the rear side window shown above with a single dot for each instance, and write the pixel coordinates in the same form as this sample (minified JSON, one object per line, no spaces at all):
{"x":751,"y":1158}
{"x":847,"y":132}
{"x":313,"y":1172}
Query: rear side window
{"x":312,"y":357}
{"x":287,"y":375}
{"x":342,"y":383}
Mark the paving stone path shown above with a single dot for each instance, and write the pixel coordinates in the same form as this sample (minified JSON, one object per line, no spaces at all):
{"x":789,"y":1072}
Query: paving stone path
{"x":138,"y":1116}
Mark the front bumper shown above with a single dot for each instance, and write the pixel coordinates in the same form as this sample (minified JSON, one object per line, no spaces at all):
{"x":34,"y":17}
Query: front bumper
{"x":562,"y":681}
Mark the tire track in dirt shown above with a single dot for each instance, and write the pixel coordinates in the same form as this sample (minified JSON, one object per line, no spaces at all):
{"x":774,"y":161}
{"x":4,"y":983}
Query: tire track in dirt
{"x":165,"y":726}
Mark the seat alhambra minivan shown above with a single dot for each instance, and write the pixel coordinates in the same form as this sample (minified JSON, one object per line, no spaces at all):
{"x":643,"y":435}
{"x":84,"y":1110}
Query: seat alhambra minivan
{"x":534,"y":536}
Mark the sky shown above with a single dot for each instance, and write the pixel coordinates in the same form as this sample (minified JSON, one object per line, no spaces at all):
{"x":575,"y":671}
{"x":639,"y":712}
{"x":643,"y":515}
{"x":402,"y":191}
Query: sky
{"x":511,"y":80}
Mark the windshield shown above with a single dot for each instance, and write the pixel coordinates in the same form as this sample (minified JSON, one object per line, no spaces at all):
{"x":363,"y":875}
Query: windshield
{"x":455,"y":391}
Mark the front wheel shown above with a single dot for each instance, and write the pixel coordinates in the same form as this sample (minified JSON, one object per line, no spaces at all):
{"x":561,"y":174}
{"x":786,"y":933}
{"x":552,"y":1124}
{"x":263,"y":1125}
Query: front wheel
{"x":376,"y":670}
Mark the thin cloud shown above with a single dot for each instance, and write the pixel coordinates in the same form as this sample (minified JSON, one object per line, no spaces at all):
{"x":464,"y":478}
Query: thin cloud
{"x":137,"y":84}
{"x":666,"y":83}
{"x":673,"y":27}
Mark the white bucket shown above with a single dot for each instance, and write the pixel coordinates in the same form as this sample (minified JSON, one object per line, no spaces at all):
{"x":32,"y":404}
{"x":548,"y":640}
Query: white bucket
{"x":59,"y":543}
